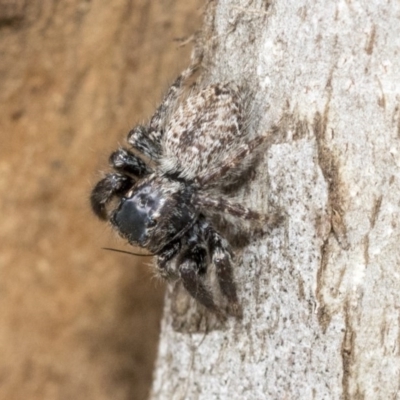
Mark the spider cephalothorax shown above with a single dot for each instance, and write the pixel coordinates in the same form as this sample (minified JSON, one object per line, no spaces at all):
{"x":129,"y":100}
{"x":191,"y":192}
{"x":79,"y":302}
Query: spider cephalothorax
{"x":162,"y":199}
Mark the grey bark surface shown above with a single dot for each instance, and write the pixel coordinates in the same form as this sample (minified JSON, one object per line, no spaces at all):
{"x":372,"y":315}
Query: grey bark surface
{"x":320,"y":294}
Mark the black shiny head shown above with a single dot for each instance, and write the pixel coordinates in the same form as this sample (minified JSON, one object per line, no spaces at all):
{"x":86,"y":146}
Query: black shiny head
{"x":154,"y":213}
{"x":134,"y":217}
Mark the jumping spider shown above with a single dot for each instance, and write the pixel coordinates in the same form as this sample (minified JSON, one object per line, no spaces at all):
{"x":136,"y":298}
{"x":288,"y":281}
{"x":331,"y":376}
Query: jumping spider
{"x":162,"y":201}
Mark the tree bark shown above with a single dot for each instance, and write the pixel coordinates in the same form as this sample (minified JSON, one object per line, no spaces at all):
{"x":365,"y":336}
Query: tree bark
{"x":320,"y":294}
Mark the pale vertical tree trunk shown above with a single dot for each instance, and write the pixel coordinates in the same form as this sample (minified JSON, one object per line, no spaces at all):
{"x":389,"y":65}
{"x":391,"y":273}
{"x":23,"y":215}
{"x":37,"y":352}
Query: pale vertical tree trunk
{"x":321,"y":294}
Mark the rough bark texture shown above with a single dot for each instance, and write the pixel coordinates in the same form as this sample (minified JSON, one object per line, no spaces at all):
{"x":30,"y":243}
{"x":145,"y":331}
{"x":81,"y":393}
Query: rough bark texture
{"x":320,"y":294}
{"x":76,"y":322}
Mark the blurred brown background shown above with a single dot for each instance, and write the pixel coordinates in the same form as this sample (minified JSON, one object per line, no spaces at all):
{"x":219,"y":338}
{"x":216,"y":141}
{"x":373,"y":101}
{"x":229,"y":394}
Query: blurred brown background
{"x":76,"y":322}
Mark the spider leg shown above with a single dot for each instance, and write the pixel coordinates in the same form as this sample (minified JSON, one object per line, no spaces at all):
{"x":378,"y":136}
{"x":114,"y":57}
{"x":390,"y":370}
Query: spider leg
{"x":164,"y":258}
{"x":111,"y":185}
{"x":231,"y":163}
{"x":169,"y":101}
{"x":122,"y":160}
{"x":192,"y":266}
{"x":192,"y":262}
{"x":237,"y":210}
{"x":116,"y":184}
{"x":147,"y":139}
{"x":222,"y":259}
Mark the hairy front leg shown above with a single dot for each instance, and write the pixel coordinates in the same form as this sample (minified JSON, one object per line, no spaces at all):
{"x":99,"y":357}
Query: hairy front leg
{"x":122,"y":160}
{"x":112,"y":185}
{"x":147,"y":139}
{"x":169,"y":102}
{"x":116,"y":184}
